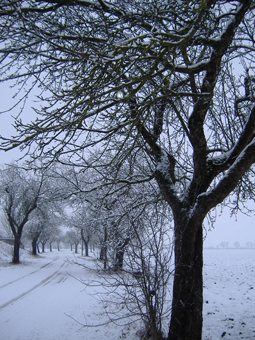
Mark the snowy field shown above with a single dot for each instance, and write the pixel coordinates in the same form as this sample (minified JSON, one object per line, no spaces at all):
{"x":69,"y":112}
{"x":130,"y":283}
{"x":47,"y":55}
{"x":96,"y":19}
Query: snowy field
{"x":229,"y":294}
{"x":42,"y":298}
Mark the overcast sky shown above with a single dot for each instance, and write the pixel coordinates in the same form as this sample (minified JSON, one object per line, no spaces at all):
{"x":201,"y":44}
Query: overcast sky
{"x":226,"y":228}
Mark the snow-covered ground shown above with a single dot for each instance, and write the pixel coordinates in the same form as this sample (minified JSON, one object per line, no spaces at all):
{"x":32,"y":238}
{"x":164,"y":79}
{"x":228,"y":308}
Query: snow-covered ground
{"x":229,"y":294}
{"x":43,"y":298}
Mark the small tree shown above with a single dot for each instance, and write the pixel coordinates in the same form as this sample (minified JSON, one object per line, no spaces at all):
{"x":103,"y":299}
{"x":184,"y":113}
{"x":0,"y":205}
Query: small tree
{"x":36,"y":225}
{"x":73,"y":236}
{"x":237,"y":245}
{"x":149,"y":260}
{"x":82,"y":221}
{"x":224,"y":245}
{"x":33,"y":235}
{"x":59,"y":238}
{"x":139,"y":290}
{"x":44,"y":237}
{"x":249,"y":245}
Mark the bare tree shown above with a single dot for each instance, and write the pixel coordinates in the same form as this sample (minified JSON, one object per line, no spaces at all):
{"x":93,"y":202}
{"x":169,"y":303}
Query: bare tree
{"x":82,"y":221}
{"x":149,"y":260}
{"x":139,"y":290}
{"x":73,"y":236}
{"x":40,"y":219}
{"x":237,"y":245}
{"x":224,"y":245}
{"x":249,"y":244}
{"x":33,"y":232}
{"x":59,"y":238}
{"x":20,"y":194}
{"x":150,"y":80}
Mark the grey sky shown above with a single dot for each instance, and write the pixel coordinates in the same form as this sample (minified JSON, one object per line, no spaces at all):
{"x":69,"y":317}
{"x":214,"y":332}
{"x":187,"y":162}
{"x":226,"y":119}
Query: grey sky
{"x":228,"y":229}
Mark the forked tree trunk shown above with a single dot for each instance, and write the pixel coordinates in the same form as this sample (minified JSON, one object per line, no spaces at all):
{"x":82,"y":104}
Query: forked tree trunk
{"x":35,"y":244}
{"x":187,"y":305}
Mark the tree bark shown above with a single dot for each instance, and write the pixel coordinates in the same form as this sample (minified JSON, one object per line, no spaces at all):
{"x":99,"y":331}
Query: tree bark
{"x":34,"y":242}
{"x":43,"y":247}
{"x":86,"y":243}
{"x":103,"y":251}
{"x":15,"y":258}
{"x":119,"y":257}
{"x":187,"y":305}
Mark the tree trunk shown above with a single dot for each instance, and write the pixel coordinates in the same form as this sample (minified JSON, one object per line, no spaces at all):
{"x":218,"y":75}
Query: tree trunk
{"x":105,"y":247}
{"x":102,"y":253}
{"x":43,"y":245}
{"x":76,"y":248}
{"x":119,"y":257}
{"x":34,"y":243}
{"x":15,"y":258}
{"x":86,"y":245}
{"x":187,"y":305}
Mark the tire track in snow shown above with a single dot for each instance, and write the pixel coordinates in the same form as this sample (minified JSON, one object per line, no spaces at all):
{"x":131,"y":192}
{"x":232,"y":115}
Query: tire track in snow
{"x":33,"y":288}
{"x":59,"y":277}
{"x":22,"y":277}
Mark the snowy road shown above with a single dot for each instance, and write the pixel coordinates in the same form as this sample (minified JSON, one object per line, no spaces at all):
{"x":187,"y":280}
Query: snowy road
{"x":12,"y":291}
{"x":40,"y":300}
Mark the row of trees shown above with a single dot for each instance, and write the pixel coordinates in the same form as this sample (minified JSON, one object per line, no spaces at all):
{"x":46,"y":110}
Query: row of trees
{"x":32,"y":211}
{"x":27,"y":203}
{"x":236,"y":245}
{"x":128,"y":227}
{"x":39,"y":202}
{"x":140,"y":92}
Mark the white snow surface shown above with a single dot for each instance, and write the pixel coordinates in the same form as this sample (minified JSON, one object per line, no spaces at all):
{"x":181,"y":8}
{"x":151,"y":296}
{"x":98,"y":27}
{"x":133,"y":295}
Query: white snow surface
{"x":43,"y":298}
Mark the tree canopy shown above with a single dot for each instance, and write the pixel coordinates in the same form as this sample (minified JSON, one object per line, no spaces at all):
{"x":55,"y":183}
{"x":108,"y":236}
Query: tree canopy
{"x":128,"y":75}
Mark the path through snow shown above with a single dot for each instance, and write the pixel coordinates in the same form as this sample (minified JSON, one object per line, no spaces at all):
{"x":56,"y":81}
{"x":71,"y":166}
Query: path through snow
{"x":41,"y":299}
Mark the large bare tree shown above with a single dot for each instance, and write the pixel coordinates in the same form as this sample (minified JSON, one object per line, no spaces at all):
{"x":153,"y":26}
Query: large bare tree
{"x":143,"y":80}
